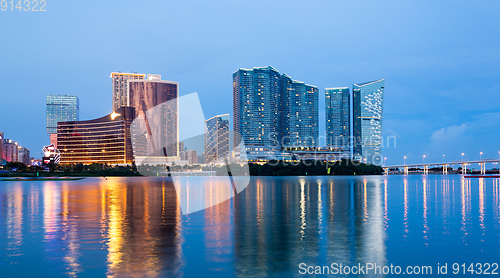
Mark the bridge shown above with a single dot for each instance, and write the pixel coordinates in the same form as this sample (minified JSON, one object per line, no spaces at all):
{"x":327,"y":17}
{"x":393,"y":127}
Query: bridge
{"x":445,"y":166}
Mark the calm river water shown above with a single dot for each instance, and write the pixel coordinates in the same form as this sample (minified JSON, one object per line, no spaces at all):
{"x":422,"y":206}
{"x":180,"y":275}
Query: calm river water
{"x":134,"y":227}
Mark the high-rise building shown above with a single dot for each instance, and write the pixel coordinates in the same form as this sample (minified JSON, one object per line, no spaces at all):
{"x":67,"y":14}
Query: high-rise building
{"x":337,"y":113}
{"x":368,"y":108}
{"x":120,"y":87}
{"x":60,"y":108}
{"x":217,"y":139}
{"x":144,"y":94}
{"x":271,"y":111}
{"x":256,"y":106}
{"x":103,"y":140}
{"x":299,"y":113}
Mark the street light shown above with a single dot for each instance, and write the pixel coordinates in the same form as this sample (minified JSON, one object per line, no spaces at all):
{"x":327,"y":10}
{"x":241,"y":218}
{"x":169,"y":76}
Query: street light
{"x":404,"y":160}
{"x":462,"y":158}
{"x":443,"y":158}
{"x":423,"y":159}
{"x":480,"y":154}
{"x":385,"y":158}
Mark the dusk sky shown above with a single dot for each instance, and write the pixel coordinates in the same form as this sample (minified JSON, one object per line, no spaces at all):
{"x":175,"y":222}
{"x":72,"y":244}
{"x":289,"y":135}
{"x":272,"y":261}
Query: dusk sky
{"x":440,"y":61}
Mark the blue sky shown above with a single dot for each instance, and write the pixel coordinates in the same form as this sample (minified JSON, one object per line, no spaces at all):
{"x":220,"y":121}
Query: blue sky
{"x":440,"y":59}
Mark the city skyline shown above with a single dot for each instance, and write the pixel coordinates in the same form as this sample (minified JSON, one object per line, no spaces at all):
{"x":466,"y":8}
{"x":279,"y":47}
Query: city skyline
{"x":431,"y":66}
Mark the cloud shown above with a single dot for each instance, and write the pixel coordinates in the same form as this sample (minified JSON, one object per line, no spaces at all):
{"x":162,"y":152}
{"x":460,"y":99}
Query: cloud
{"x":449,"y":133}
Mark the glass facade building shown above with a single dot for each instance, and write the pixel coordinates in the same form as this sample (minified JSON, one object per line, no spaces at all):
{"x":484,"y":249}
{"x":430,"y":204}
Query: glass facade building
{"x":338,"y":117}
{"x":217,"y":139}
{"x":120,"y":87}
{"x":144,"y":95}
{"x":256,"y":106}
{"x":61,"y":108}
{"x":368,"y":108}
{"x":299,"y":113}
{"x":103,"y":140}
{"x":272,"y":110}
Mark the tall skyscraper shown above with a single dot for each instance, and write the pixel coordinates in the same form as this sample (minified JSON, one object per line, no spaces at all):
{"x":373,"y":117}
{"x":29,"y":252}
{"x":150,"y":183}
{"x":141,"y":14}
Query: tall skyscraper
{"x":338,"y":117}
{"x":60,"y":108}
{"x":368,"y":108}
{"x":299,"y":115}
{"x":217,"y":139}
{"x":256,"y":106}
{"x":272,"y":110}
{"x":120,"y":87}
{"x":145,"y":94}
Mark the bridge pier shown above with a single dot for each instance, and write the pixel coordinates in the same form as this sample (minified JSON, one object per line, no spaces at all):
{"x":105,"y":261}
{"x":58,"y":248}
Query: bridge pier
{"x":386,"y":171}
{"x":406,"y":170}
{"x":464,"y":168}
{"x":483,"y":168}
{"x":426,"y":170}
{"x":445,"y":169}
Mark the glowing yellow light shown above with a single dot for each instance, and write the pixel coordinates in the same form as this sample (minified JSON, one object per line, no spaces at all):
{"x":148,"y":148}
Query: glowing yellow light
{"x":114,"y":115}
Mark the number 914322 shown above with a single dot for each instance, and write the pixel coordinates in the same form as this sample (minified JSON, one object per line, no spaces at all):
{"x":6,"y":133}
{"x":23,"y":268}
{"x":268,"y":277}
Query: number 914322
{"x":23,"y":5}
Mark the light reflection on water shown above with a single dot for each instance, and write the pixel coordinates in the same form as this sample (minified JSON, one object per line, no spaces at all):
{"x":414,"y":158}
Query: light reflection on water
{"x":133,"y":227}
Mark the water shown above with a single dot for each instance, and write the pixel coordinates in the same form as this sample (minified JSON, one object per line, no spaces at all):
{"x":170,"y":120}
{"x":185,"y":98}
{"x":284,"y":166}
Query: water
{"x":133,"y":227}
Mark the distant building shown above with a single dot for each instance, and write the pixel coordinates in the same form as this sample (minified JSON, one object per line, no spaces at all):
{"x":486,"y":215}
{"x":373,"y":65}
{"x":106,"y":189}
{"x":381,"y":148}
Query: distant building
{"x":201,"y":157}
{"x":60,"y":108}
{"x":51,"y":155}
{"x":103,"y":140}
{"x":337,"y":113}
{"x":217,"y":139}
{"x":368,"y":108}
{"x":120,"y":87}
{"x":36,"y":162}
{"x":272,"y":111}
{"x":24,"y":155}
{"x":10,"y":150}
{"x":192,"y":157}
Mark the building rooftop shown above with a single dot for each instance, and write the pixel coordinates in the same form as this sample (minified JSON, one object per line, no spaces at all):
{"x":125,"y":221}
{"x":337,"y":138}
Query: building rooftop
{"x":367,"y":83}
